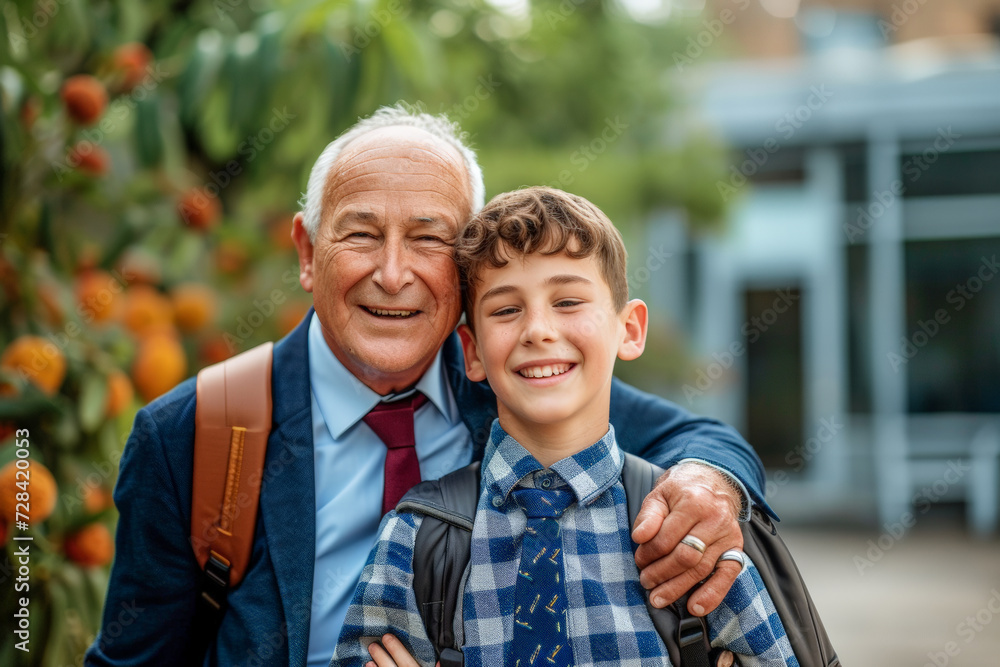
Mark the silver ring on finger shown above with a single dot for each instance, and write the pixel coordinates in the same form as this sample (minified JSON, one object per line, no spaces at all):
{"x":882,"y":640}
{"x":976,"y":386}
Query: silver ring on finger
{"x":734,"y":555}
{"x":694,"y":543}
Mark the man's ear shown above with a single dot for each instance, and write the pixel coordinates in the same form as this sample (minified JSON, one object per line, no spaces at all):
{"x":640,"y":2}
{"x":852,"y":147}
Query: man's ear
{"x":304,"y":246}
{"x":474,"y":368}
{"x":636,"y":320}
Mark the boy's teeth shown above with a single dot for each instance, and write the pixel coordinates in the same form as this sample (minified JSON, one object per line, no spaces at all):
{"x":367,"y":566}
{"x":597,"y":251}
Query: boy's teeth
{"x":544,"y":371}
{"x":392,"y":313}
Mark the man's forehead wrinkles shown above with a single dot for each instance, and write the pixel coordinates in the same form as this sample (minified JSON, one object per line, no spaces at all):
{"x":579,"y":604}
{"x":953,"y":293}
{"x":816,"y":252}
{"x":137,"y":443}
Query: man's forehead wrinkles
{"x":450,"y":185}
{"x":396,"y":164}
{"x":346,"y":176}
{"x":401,"y":151}
{"x":448,"y":198}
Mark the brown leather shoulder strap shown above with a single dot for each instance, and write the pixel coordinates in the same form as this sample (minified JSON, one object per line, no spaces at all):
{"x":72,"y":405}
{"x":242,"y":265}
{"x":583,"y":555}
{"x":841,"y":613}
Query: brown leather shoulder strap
{"x":232,"y":424}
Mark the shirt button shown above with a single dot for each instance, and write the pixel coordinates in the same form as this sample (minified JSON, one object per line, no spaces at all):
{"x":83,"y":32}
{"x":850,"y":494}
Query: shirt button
{"x":497,"y":501}
{"x":546,"y":482}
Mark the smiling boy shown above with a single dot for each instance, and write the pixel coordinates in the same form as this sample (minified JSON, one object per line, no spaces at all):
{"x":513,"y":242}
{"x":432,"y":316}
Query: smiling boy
{"x":552,"y":579}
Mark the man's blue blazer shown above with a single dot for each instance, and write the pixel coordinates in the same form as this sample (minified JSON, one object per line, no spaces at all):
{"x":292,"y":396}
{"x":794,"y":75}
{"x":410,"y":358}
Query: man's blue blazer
{"x":154,"y":580}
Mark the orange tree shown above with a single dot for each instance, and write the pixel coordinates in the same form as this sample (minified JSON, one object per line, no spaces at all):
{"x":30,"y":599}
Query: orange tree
{"x":151,"y":158}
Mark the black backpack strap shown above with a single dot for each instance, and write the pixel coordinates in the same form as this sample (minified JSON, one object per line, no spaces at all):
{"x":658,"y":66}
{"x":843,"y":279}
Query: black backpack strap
{"x":685,"y":636}
{"x":441,"y":553}
{"x":788,"y":591}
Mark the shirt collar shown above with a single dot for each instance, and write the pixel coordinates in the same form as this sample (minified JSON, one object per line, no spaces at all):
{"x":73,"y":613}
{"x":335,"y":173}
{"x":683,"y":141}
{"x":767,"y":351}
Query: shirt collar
{"x":590,"y":472}
{"x":343,"y":399}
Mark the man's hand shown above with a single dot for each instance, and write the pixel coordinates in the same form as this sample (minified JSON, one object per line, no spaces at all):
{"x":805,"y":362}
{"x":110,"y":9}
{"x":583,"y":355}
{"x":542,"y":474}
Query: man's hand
{"x":689,"y":499}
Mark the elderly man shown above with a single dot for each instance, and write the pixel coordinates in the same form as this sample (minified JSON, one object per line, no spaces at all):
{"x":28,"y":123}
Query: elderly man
{"x":384,"y":204}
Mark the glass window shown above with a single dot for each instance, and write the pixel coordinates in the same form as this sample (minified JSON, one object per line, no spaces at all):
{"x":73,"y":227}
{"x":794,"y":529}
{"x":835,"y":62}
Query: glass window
{"x":934,"y":173}
{"x":774,"y":400}
{"x":952,"y":343}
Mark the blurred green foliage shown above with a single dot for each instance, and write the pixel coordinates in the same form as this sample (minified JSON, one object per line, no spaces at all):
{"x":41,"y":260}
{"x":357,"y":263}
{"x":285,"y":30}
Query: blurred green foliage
{"x":146,"y":204}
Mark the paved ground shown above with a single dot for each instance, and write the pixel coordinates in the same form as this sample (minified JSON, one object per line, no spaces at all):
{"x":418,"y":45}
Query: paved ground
{"x":904,"y":602}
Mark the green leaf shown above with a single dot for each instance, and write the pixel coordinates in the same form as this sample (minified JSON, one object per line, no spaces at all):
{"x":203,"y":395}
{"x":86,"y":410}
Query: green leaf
{"x":78,"y":597}
{"x":93,"y":400}
{"x":133,"y":18}
{"x":31,"y":404}
{"x":201,"y":74}
{"x":148,"y":139}
{"x":184,"y":255}
{"x":53,"y":631}
{"x":66,"y":431}
{"x":109,"y":444}
{"x":245,"y":91}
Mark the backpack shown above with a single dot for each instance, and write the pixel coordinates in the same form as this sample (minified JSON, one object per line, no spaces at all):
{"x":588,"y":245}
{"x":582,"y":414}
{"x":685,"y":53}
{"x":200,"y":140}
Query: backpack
{"x":441,"y":559}
{"x":232,"y":424}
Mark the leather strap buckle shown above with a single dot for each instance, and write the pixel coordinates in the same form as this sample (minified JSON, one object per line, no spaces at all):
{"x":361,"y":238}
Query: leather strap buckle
{"x":215,"y":582}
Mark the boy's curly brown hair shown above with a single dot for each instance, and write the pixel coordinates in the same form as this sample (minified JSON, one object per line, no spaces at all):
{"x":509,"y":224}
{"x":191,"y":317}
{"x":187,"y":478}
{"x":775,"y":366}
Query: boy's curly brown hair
{"x":543,"y":220}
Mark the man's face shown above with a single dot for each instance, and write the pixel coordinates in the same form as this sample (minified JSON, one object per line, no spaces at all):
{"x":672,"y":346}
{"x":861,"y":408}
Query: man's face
{"x":547,"y":335}
{"x":382,"y":274}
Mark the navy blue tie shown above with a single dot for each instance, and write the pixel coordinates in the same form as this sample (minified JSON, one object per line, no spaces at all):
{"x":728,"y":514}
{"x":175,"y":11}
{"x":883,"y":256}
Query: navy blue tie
{"x":540,"y":636}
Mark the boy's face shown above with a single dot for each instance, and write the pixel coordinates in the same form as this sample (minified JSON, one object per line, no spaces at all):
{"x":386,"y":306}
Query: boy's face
{"x":546,"y":338}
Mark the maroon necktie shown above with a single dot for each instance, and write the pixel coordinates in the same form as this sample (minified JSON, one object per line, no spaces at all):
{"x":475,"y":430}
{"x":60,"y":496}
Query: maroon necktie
{"x":393,"y":424}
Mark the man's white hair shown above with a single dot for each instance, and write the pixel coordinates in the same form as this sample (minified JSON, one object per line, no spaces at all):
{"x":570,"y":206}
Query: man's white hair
{"x":395,"y":116}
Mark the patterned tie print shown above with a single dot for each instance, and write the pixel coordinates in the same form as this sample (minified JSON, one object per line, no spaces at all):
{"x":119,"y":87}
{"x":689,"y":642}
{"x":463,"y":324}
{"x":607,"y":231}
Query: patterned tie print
{"x":540,"y":637}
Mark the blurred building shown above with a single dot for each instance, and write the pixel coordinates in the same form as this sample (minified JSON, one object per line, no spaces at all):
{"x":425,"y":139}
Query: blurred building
{"x":848,"y":320}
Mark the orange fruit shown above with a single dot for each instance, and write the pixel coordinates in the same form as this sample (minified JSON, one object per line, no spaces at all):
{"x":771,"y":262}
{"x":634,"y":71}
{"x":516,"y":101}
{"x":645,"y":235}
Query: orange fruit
{"x":120,"y":393}
{"x":91,"y":546}
{"x":36,"y":360}
{"x":42,"y":492}
{"x":159,"y":365}
{"x":99,"y":296}
{"x":199,"y":208}
{"x":96,"y":499}
{"x":146,"y":310}
{"x":89,"y":158}
{"x":194,"y":306}
{"x":131,"y":61}
{"x":84,"y":98}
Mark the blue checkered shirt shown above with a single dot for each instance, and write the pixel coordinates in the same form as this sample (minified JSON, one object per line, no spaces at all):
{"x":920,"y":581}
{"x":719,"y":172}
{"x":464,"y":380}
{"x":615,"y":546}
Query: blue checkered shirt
{"x":607,"y":620}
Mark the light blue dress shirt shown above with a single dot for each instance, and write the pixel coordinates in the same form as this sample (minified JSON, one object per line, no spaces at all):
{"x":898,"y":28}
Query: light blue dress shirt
{"x":349,"y":463}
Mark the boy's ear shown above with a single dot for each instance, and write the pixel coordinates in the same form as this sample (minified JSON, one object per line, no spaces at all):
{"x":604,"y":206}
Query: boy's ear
{"x":636,"y":320}
{"x":474,"y":368}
